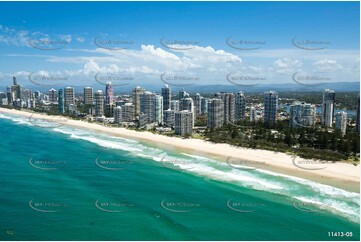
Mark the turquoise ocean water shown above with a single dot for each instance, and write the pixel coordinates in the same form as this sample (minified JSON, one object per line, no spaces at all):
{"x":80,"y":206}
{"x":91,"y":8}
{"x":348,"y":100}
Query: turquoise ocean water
{"x":62,"y":183}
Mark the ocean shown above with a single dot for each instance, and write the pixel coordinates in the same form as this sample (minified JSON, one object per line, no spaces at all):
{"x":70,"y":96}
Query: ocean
{"x":63,"y":183}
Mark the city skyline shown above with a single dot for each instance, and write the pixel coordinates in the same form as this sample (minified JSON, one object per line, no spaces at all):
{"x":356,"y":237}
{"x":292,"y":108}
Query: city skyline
{"x":158,"y":108}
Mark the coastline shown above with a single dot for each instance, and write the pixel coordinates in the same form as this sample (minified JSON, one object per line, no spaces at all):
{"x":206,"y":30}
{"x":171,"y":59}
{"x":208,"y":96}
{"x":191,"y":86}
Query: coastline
{"x":338,"y":174}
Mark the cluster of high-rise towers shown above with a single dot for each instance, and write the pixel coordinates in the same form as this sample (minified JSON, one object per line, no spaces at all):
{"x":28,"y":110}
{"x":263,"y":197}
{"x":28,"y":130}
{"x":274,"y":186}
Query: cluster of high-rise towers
{"x":178,"y":112}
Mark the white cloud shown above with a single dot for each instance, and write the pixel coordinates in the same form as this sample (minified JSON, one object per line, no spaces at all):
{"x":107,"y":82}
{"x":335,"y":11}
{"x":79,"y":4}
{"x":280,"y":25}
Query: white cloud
{"x":149,"y":62}
{"x":286,"y":65}
{"x":11,"y":36}
{"x":80,"y":39}
{"x":327,"y":65}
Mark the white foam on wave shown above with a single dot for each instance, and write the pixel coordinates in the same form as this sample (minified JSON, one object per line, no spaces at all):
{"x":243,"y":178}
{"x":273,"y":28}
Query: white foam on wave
{"x":331,"y":205}
{"x":332,"y":199}
{"x":327,"y":197}
{"x":319,"y":188}
{"x":112,"y":143}
{"x":201,"y":167}
{"x":17,"y":119}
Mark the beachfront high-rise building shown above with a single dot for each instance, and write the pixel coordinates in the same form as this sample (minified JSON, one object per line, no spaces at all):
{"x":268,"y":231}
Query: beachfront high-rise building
{"x":215,"y":113}
{"x":136,"y":99}
{"x":27,"y":98}
{"x":187,"y":104}
{"x":88,"y":96}
{"x":270,"y":107}
{"x":69,"y":96}
{"x":229,"y":105}
{"x":109,"y":93}
{"x":99,"y":103}
{"x":109,"y":110}
{"x":147,"y":106}
{"x":328,"y":107}
{"x":168,"y":118}
{"x":142,"y":120}
{"x":158,"y":109}
{"x":61,"y":101}
{"x":204,"y":105}
{"x":8,"y":95}
{"x":197,"y":104}
{"x":358,"y":114}
{"x":183,"y":122}
{"x":240,"y":111}
{"x":127,"y":112}
{"x":174,"y":105}
{"x":167,"y":97}
{"x":341,"y":121}
{"x":15,"y":93}
{"x":3,"y":99}
{"x":53,"y":95}
{"x":117,"y":115}
{"x":302,"y":115}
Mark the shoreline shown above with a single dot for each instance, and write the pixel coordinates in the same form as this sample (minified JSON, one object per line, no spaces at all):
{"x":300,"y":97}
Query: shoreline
{"x":341,"y":175}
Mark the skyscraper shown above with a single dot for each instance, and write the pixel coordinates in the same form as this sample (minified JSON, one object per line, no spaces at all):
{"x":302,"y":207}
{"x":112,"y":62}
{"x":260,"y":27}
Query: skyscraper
{"x":136,"y":99}
{"x":8,"y":95}
{"x":240,"y":112}
{"x":88,"y":96}
{"x":28,"y":98}
{"x":3,"y":100}
{"x":16,"y":91}
{"x":168,"y":118}
{"x":61,"y":101}
{"x":229,"y":104}
{"x":117,"y":115}
{"x":328,"y":107}
{"x":197,"y":104}
{"x":167,"y":97}
{"x":174,"y":105}
{"x":187,"y":104}
{"x":53,"y":95}
{"x":109,"y":110}
{"x":99,"y":103}
{"x":215,"y":113}
{"x":127,"y":112}
{"x":69,"y":97}
{"x":302,"y":115}
{"x":158,"y":109}
{"x":270,"y":107}
{"x":341,"y":121}
{"x":109,"y":93}
{"x":147,"y":100}
{"x":183,"y":122}
{"x":204,"y":105}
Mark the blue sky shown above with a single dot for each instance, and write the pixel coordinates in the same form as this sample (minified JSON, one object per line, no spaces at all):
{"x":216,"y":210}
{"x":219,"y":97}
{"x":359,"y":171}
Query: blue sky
{"x":247,"y":39}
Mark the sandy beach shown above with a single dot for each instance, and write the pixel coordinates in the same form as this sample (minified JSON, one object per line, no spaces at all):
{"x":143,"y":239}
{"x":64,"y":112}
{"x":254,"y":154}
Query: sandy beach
{"x":342,"y":175}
